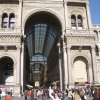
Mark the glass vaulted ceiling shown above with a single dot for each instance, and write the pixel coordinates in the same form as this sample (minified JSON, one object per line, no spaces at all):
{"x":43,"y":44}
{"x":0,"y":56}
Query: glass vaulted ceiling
{"x":40,"y":40}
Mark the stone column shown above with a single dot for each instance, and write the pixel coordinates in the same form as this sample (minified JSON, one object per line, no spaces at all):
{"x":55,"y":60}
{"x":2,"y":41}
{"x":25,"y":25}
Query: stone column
{"x":69,"y":66}
{"x":65,"y":64}
{"x":89,"y":72}
{"x":20,"y":13}
{"x":18,"y":65}
{"x":17,"y":72}
{"x":15,"y":75}
{"x":88,"y":15}
{"x":22,"y":65}
{"x":94,"y":64}
{"x":66,"y":14}
{"x":73,"y":75}
{"x":60,"y":70}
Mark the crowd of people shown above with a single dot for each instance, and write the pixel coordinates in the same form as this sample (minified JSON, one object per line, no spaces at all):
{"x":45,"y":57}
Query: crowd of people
{"x":57,"y":94}
{"x":8,"y":94}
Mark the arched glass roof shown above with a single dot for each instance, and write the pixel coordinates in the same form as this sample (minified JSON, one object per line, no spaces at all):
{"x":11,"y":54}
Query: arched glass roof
{"x":40,"y":40}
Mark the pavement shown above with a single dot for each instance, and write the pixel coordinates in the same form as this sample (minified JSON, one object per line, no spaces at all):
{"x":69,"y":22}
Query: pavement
{"x":22,"y":98}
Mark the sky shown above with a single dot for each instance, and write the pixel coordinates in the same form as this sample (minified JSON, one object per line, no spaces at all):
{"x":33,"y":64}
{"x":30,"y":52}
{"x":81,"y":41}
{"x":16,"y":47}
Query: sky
{"x":95,"y":11}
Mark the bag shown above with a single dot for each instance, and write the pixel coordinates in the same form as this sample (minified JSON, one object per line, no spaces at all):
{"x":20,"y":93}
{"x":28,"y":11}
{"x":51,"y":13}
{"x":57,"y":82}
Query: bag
{"x":85,"y":97}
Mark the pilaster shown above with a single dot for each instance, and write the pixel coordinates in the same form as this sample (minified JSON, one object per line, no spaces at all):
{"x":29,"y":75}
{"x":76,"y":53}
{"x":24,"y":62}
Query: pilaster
{"x":88,"y":15}
{"x":18,"y":65}
{"x":66,"y":14}
{"x":17,"y":72}
{"x":69,"y":65}
{"x":94,"y":64}
{"x":60,"y":70}
{"x":90,"y":75}
{"x":22,"y":65}
{"x":65,"y":64}
{"x":20,"y":13}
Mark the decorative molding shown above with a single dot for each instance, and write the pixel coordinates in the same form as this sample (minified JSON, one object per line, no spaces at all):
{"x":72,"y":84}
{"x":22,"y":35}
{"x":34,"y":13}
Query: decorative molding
{"x":38,"y":5}
{"x":79,"y":39}
{"x":10,"y":38}
{"x":80,"y":48}
{"x":8,"y":55}
{"x":82,"y":55}
{"x":68,"y":47}
{"x":5,"y":48}
{"x":18,"y":48}
{"x":93,"y":48}
{"x":50,"y":11}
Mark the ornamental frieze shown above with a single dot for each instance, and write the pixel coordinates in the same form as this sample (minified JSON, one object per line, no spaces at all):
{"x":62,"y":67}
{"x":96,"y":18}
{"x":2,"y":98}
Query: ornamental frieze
{"x":80,"y":39}
{"x":39,"y":5}
{"x":10,"y":38}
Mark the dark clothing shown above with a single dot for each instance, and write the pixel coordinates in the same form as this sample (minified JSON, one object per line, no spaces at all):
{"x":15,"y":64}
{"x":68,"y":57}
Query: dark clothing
{"x":67,"y":92}
{"x":62,"y":96}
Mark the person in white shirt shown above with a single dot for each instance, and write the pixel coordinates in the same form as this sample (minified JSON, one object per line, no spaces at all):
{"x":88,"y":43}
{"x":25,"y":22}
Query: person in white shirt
{"x":54,"y":96}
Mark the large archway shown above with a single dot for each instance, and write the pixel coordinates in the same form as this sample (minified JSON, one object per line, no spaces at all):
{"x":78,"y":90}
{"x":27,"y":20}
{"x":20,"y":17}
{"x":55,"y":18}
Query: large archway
{"x":43,"y":31}
{"x":6,"y":73}
{"x":80,"y":70}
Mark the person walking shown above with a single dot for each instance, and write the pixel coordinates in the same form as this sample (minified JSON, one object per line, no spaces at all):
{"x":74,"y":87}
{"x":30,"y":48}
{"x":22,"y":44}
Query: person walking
{"x":76,"y":96}
{"x":35,"y":94}
{"x":97,"y":94}
{"x":82,"y":94}
{"x":28,"y":94}
{"x":25,"y":94}
{"x":44,"y":95}
{"x":70,"y":95}
{"x":8,"y":97}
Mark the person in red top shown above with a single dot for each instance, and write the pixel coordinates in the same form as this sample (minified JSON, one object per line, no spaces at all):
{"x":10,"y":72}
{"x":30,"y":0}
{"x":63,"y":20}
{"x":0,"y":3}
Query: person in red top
{"x":28,"y":94}
{"x":8,"y":97}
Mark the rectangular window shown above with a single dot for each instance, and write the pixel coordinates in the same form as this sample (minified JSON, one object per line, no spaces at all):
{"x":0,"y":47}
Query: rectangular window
{"x":4,"y":25}
{"x":11,"y":25}
{"x":73,"y":25}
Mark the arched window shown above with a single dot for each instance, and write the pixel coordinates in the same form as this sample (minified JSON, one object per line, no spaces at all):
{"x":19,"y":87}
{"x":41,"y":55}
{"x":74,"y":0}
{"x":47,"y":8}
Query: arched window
{"x":73,"y":22}
{"x":12,"y":21}
{"x":4,"y":20}
{"x":79,"y":19}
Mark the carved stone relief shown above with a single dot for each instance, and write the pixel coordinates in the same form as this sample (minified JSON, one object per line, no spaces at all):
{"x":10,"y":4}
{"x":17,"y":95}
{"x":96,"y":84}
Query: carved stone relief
{"x":11,"y":39}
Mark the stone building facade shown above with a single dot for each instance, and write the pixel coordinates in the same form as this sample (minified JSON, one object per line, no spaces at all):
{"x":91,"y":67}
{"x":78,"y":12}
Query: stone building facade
{"x":45,"y":42}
